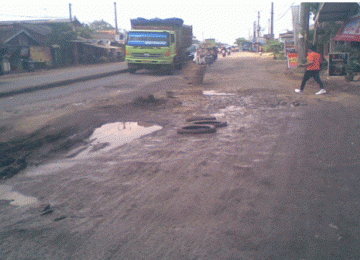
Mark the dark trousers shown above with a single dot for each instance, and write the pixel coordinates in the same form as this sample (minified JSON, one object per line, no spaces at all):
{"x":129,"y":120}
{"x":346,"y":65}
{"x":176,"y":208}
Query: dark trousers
{"x":311,"y":74}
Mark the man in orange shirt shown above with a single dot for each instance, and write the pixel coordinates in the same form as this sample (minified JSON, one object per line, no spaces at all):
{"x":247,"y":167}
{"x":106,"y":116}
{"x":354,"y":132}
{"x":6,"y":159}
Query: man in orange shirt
{"x":313,"y":67}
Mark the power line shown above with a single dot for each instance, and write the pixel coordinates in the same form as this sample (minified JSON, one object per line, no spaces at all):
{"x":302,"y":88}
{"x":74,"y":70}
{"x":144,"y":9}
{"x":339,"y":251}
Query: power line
{"x":284,"y":13}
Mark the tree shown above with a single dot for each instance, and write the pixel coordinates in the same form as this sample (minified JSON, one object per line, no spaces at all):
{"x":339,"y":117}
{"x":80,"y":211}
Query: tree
{"x":100,"y":26}
{"x":274,"y":46}
{"x":314,"y":8}
{"x":240,"y":41}
{"x":85,"y":31}
{"x":62,"y":35}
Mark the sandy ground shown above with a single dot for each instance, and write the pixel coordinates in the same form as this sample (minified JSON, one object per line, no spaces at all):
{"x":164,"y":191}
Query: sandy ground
{"x":279,"y":182}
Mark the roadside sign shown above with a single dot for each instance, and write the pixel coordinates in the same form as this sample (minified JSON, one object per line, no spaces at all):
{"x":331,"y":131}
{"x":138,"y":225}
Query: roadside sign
{"x":337,"y":62}
{"x":292,"y":60}
{"x":40,"y":54}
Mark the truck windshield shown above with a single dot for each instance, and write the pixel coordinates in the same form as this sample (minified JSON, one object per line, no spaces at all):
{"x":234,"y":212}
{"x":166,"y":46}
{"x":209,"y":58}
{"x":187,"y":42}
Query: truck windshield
{"x":148,"y":39}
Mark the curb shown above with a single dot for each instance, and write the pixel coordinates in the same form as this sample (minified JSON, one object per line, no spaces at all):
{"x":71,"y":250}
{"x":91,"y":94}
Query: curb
{"x":60,"y":83}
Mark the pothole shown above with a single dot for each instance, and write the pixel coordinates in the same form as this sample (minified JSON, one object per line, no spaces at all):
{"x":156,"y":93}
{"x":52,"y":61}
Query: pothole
{"x":113,"y":135}
{"x":104,"y":139}
{"x":15,"y":198}
{"x":215,"y":93}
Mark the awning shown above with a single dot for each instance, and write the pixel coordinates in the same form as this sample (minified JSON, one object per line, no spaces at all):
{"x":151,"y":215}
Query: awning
{"x":336,"y":11}
{"x":350,"y":32}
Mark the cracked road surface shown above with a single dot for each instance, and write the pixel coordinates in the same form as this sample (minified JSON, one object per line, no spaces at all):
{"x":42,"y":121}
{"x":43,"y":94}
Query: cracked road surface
{"x":279,"y":182}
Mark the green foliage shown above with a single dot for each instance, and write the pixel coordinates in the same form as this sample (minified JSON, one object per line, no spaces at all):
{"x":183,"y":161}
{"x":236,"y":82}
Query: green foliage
{"x":240,"y":41}
{"x":325,"y":33}
{"x":85,"y":31}
{"x":274,"y":46}
{"x":353,"y":66}
{"x":100,"y":26}
{"x":62,"y":35}
{"x":314,"y":8}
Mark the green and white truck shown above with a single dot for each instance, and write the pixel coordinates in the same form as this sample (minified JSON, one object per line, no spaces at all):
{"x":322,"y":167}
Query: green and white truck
{"x":158,"y":44}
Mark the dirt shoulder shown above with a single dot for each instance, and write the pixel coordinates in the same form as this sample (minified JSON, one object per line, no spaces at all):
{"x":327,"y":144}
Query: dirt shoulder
{"x":239,"y":193}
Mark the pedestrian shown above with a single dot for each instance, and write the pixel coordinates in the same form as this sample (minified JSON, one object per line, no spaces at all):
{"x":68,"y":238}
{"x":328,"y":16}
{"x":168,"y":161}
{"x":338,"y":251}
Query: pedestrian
{"x":313,"y":67}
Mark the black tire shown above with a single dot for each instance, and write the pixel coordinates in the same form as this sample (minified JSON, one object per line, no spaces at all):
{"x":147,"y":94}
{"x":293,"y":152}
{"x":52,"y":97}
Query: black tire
{"x":170,"y":70}
{"x":132,"y":68}
{"x":210,"y":122}
{"x":199,"y":118}
{"x":197,"y":129}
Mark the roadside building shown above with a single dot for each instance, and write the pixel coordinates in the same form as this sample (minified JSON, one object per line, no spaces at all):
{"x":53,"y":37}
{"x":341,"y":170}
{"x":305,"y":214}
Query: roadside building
{"x":104,"y":46}
{"x":342,"y":44}
{"x":289,"y":41}
{"x":24,"y":44}
{"x":345,"y":16}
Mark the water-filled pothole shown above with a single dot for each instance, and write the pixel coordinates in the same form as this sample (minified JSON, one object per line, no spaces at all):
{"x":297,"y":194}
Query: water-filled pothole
{"x":113,"y":135}
{"x":14,"y":197}
{"x":103,"y":139}
{"x":215,"y":93}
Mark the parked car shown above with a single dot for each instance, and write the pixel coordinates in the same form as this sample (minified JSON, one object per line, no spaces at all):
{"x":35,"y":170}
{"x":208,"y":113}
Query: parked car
{"x":235,"y":48}
{"x":246,"y":47}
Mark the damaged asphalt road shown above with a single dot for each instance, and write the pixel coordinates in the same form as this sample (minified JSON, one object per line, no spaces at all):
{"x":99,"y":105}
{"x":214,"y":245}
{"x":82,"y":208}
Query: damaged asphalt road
{"x":279,"y":182}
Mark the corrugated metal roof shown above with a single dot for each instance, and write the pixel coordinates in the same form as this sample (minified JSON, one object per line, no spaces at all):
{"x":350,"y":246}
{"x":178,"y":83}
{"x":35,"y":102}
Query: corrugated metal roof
{"x":41,"y":21}
{"x":337,"y":11}
{"x":38,"y":28}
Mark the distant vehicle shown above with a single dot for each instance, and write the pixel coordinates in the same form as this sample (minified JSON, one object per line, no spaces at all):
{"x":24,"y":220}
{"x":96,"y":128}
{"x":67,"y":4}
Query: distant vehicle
{"x":157,"y":44}
{"x":246,"y":46}
{"x":192,"y":50}
{"x":235,"y":48}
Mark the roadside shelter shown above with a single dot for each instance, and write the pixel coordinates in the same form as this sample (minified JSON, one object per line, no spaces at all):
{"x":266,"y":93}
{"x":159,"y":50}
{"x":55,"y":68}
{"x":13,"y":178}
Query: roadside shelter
{"x":340,"y":13}
{"x":23,"y":44}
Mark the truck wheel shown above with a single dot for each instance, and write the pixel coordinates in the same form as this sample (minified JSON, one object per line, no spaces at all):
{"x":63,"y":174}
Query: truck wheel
{"x":179,"y":66}
{"x":132,"y":68}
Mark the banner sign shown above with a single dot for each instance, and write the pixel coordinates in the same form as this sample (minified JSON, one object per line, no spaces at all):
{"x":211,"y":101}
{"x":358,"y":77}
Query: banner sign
{"x":40,"y":54}
{"x":292,"y":60}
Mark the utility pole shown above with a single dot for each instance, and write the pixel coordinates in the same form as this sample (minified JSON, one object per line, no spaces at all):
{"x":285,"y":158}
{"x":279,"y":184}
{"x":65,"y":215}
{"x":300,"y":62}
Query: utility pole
{"x":258,"y":33}
{"x":254,"y":30}
{"x":70,"y":13}
{"x":304,"y":30}
{"x":116,"y":24}
{"x":75,"y":49}
{"x":295,"y":19}
{"x":258,"y":29}
{"x":272,"y":21}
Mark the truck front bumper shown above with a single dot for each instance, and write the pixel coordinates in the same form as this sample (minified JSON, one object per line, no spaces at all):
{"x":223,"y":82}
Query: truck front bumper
{"x":149,"y":61}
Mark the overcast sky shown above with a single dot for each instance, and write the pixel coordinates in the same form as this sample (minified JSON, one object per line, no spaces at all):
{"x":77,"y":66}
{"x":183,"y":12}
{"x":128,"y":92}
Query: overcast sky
{"x":224,"y":21}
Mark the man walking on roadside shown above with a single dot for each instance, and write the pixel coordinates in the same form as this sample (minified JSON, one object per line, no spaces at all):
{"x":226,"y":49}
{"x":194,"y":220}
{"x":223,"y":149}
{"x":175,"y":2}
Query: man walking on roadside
{"x":313,"y":67}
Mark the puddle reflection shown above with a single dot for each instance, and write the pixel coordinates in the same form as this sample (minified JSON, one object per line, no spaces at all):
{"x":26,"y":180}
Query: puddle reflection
{"x":214,"y":93}
{"x":113,"y":135}
{"x":14,"y":197}
{"x":104,"y":138}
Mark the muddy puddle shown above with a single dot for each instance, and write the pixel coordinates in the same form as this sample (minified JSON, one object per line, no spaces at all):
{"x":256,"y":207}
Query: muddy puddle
{"x":104,"y":139}
{"x":113,"y":135}
{"x":7,"y":195}
{"x":215,"y":93}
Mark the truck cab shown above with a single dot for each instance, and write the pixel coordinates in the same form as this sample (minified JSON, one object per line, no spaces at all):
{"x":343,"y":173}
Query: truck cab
{"x":150,"y":49}
{"x":157,"y":44}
